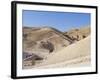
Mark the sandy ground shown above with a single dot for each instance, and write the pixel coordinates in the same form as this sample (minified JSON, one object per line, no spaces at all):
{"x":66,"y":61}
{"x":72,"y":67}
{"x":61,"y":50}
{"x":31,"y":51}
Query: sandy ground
{"x":77,"y":54}
{"x":78,"y":62}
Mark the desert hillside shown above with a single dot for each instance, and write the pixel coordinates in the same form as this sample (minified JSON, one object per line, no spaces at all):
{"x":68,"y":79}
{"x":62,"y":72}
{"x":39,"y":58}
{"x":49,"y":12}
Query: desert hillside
{"x":48,"y":46}
{"x":45,"y":40}
{"x":77,"y":53}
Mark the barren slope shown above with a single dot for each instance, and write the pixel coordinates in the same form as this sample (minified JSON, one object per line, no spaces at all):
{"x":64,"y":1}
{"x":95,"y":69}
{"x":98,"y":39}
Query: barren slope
{"x":43,"y":40}
{"x":78,"y":52}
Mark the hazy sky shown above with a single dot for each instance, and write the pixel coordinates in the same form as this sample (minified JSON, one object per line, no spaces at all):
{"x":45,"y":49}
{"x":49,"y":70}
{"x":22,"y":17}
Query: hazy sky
{"x":62,"y":21}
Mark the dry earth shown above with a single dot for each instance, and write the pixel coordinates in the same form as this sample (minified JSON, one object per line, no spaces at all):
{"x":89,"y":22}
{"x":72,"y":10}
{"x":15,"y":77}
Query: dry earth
{"x":50,"y":48}
{"x":77,"y":53}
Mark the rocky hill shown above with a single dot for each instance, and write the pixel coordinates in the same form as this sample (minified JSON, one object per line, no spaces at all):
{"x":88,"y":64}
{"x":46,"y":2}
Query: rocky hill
{"x":39,"y":43}
{"x":47,"y":39}
{"x":78,"y":34}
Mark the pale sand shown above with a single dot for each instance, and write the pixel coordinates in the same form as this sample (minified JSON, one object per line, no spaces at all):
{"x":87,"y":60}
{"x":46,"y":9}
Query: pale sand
{"x":78,"y":62}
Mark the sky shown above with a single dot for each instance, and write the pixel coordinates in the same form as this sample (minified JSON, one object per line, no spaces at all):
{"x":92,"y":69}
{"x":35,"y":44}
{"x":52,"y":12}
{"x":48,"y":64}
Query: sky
{"x":62,"y":21}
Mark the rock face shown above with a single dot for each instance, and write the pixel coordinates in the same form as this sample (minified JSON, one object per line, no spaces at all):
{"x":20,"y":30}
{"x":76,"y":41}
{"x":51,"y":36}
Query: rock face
{"x":29,"y":59}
